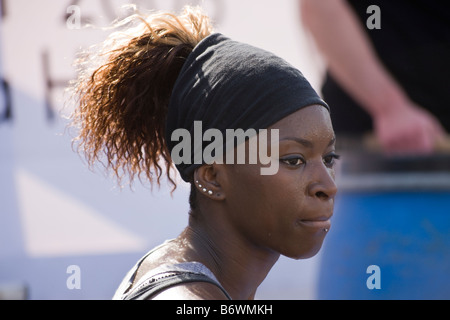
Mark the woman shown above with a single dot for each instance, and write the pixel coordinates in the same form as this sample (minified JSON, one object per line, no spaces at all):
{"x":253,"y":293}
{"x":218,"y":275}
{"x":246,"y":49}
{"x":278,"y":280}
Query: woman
{"x":171,"y":72}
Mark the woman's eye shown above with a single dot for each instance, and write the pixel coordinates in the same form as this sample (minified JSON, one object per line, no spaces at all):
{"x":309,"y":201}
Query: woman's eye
{"x":330,"y":160}
{"x":293,"y":161}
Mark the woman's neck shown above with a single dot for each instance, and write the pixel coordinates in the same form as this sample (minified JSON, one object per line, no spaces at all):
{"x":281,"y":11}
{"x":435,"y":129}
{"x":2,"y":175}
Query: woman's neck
{"x":239,"y":265}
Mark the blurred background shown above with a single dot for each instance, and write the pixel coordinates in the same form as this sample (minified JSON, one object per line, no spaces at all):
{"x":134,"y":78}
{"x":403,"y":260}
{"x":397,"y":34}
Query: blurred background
{"x":56,"y":214}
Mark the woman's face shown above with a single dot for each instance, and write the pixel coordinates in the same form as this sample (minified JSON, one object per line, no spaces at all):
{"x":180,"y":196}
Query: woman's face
{"x":288,"y":212}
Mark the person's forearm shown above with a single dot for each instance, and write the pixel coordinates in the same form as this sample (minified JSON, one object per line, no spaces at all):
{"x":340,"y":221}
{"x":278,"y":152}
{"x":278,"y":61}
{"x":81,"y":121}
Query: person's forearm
{"x":351,"y":59}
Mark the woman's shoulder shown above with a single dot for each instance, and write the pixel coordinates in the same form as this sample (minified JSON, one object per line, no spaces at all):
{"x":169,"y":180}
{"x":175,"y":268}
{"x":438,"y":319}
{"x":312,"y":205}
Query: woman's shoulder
{"x":181,"y":281}
{"x":165,"y":254}
{"x":192,"y":291}
{"x":165,"y":274}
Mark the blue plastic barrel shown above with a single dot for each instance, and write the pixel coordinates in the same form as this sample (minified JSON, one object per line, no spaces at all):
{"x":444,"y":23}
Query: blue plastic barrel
{"x":390,"y":235}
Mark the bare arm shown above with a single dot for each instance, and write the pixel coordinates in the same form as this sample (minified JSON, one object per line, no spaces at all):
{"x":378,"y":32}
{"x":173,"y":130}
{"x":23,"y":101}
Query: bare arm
{"x":400,"y":125}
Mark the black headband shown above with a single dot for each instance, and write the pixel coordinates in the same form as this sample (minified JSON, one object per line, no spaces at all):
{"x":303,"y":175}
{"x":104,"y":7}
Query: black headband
{"x":231,"y":85}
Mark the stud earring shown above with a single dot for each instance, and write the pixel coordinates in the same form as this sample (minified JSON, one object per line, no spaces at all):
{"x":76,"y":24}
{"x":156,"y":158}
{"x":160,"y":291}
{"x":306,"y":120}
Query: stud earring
{"x":210,"y":192}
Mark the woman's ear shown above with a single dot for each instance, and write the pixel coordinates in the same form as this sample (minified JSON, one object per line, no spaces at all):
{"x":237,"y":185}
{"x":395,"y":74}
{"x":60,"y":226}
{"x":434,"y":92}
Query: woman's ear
{"x":207,"y":181}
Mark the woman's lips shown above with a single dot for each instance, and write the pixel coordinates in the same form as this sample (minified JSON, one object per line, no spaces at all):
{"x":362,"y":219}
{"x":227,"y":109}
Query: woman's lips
{"x":319,"y":223}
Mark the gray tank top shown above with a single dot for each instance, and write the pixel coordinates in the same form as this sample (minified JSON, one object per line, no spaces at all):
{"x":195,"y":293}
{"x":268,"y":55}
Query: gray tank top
{"x":164,"y":277}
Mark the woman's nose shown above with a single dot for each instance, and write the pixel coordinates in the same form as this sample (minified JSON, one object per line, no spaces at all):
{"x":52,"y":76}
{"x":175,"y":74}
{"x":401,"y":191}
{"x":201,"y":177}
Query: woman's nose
{"x":323,"y":185}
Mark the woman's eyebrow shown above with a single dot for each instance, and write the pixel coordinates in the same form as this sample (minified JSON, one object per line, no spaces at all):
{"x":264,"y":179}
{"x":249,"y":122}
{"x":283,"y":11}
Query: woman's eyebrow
{"x":301,"y":141}
{"x":307,"y":143}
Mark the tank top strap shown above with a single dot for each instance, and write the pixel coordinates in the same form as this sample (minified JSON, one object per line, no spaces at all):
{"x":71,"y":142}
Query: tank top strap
{"x":162,"y":278}
{"x":157,"y":284}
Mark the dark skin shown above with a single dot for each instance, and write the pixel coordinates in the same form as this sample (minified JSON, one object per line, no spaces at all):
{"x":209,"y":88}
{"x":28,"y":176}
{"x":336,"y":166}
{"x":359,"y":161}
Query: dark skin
{"x":240,"y":231}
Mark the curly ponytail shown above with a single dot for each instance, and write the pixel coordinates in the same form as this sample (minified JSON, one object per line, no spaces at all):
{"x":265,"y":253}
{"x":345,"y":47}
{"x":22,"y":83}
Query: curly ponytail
{"x":121,"y":102}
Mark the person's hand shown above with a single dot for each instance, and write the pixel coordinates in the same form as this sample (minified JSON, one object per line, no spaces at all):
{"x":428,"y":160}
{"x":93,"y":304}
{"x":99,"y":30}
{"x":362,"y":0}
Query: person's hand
{"x":407,"y":130}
